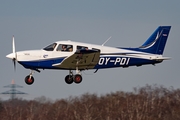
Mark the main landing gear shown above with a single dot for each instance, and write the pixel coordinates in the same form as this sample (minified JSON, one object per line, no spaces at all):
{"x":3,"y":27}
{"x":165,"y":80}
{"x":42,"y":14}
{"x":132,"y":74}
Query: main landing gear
{"x":69,"y":79}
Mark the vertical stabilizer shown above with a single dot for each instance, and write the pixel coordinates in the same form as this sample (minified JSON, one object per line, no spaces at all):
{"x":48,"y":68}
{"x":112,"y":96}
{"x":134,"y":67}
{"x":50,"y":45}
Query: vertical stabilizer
{"x":155,"y":44}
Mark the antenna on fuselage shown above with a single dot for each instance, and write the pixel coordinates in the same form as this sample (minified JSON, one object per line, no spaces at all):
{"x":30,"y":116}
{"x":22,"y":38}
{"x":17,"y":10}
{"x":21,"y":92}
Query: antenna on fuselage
{"x":106,"y":41}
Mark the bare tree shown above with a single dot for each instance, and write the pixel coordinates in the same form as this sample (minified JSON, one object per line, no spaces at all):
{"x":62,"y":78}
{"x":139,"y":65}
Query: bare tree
{"x":144,"y":103}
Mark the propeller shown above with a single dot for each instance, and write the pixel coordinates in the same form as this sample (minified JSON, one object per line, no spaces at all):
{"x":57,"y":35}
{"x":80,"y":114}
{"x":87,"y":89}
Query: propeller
{"x":13,"y":55}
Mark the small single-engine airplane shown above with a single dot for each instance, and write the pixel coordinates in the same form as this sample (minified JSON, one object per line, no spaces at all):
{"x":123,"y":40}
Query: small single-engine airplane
{"x":69,"y":55}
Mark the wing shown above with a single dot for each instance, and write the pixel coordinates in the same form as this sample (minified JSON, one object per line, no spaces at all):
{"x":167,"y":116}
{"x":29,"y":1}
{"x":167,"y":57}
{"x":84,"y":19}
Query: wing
{"x":83,"y":59}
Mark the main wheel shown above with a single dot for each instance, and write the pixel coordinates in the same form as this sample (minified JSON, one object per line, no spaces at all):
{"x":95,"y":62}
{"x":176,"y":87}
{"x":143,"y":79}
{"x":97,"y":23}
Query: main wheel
{"x":29,"y":80}
{"x":77,"y":78}
{"x":69,"y":79}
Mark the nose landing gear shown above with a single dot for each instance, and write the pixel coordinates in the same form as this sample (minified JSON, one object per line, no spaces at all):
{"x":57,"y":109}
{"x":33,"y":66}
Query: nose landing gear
{"x":29,"y":79}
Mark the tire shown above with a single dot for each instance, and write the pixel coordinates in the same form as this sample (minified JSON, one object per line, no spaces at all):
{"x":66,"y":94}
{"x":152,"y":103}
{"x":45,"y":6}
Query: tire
{"x":29,"y":80}
{"x":69,"y":79}
{"x":77,"y":78}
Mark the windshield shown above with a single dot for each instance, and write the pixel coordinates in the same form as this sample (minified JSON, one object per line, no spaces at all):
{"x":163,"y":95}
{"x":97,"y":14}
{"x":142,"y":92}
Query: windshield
{"x":65,"y":48}
{"x":50,"y":47}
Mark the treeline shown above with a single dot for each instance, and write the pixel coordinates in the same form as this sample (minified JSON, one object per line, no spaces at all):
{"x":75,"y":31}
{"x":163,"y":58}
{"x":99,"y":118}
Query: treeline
{"x":144,"y":103}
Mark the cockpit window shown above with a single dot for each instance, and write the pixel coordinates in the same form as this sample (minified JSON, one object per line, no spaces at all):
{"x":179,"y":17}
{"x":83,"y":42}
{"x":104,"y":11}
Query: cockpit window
{"x":65,"y":48}
{"x":82,"y":47}
{"x":50,"y":47}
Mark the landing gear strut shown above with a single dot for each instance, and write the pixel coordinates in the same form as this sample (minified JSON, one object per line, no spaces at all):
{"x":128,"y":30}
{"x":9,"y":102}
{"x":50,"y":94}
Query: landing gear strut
{"x":77,"y":78}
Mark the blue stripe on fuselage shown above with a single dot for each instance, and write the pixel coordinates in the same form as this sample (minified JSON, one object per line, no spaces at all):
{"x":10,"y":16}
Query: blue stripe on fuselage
{"x":42,"y":64}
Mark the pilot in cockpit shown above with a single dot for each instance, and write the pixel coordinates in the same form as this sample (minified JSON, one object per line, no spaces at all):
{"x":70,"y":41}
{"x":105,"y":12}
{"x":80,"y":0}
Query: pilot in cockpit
{"x":64,"y":48}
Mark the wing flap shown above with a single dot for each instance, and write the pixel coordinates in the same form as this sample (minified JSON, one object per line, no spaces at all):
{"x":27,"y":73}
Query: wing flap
{"x":83,"y":59}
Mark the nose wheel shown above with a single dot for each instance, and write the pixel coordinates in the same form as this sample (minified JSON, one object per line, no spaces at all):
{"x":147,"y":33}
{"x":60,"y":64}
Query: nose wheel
{"x":29,"y":79}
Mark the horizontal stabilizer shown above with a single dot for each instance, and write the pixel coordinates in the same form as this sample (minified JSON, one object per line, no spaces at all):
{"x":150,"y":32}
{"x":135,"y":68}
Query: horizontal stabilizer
{"x":162,"y":58}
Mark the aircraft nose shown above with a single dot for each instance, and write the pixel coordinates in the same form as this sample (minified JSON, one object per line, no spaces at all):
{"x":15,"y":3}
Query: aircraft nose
{"x":11,"y":56}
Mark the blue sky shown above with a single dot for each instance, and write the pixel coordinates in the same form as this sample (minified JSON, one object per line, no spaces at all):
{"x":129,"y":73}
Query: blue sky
{"x":36,"y":24}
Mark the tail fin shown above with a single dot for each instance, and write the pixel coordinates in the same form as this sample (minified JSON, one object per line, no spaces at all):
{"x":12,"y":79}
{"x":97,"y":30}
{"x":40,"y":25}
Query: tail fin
{"x":155,"y":44}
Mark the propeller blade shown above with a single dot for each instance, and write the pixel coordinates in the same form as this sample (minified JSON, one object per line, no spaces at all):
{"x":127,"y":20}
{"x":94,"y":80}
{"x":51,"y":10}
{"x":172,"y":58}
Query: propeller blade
{"x":14,"y":62}
{"x":13,"y":45}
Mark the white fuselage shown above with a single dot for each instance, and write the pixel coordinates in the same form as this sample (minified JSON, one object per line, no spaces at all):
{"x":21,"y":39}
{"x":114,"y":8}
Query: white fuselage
{"x":109,"y":56}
